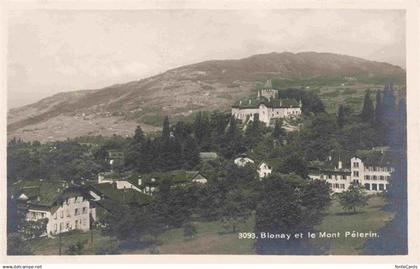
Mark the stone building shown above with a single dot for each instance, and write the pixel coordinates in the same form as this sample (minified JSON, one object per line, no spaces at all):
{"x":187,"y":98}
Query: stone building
{"x":267,"y":106}
{"x":65,"y":208}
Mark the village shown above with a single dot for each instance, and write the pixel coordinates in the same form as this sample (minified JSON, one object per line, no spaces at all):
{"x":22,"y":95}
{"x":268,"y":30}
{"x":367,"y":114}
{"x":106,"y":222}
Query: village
{"x":75,"y":205}
{"x":203,"y":170}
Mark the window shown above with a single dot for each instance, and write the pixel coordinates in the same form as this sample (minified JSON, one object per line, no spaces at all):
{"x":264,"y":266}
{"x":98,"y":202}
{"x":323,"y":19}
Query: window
{"x":76,"y":211}
{"x":67,"y":225}
{"x":367,"y":177}
{"x":381,"y":187}
{"x":84,"y":208}
{"x":329,"y":176}
{"x":367,"y":186}
{"x":375,"y":177}
{"x":62,"y":214}
{"x":343,"y":186}
{"x":374,"y":187}
{"x":356,"y":173}
{"x":356,"y":165}
{"x":381,"y":177}
{"x":55,"y":227}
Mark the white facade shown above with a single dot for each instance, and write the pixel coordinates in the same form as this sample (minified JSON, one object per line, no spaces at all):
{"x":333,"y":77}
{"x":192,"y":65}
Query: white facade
{"x":338,"y":180}
{"x":264,"y":170}
{"x":265,"y":114}
{"x":374,"y":178}
{"x":122,"y":184}
{"x":73,"y":214}
{"x":242,"y":161}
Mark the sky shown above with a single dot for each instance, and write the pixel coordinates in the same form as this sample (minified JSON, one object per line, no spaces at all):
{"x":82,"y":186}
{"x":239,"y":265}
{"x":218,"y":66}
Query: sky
{"x":51,"y":51}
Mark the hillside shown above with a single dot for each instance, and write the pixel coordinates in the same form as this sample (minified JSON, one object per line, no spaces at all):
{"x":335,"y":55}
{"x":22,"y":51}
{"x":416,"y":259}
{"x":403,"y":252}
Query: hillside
{"x":180,"y":92}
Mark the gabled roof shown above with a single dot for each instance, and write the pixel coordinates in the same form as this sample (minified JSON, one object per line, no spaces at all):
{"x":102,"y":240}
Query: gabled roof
{"x":175,"y":176}
{"x":47,"y":194}
{"x":273,"y":103}
{"x":122,"y":196}
{"x":375,"y":157}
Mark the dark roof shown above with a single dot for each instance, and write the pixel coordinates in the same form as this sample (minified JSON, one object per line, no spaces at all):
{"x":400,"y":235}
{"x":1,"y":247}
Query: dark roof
{"x":273,"y":103}
{"x":121,"y":196}
{"x":375,"y":157}
{"x":47,"y":194}
{"x":175,"y":176}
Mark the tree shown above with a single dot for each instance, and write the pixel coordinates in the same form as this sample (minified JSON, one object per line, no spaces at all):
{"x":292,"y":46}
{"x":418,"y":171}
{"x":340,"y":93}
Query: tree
{"x":278,"y":131}
{"x":353,"y":198}
{"x":33,"y":229}
{"x":191,"y":153}
{"x":368,"y":113}
{"x":16,"y":245}
{"x":139,"y":137}
{"x":285,"y":204}
{"x":340,"y":117}
{"x":165,"y":129}
{"x":294,"y":163}
{"x":379,"y":108}
{"x":190,"y":230}
{"x":253,"y":132}
{"x":235,"y":209}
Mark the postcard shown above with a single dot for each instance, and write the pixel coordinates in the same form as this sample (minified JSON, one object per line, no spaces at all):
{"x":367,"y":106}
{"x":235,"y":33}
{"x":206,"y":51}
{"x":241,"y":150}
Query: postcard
{"x":196,"y":130}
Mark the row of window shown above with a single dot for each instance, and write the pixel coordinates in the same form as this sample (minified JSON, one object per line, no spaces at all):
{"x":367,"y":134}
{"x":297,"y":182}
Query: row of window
{"x":337,"y":186}
{"x":376,"y":187}
{"x":77,"y":224}
{"x":333,"y":177}
{"x":378,"y":177}
{"x":379,"y":169}
{"x":76,"y":200}
{"x":38,"y":215}
{"x":373,"y":168}
{"x":77,"y":212}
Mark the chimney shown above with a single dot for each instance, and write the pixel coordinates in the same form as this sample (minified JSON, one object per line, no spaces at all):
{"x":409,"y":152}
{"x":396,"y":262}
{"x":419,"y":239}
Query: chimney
{"x":340,"y":165}
{"x":139,"y":182}
{"x":249,"y":101}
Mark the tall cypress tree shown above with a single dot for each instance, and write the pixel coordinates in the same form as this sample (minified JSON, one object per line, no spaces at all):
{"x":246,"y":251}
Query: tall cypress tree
{"x":367,"y":110}
{"x":165,"y":129}
{"x":340,"y":116}
{"x":139,"y":136}
{"x":379,"y":108}
{"x":278,"y":131}
{"x":191,"y":153}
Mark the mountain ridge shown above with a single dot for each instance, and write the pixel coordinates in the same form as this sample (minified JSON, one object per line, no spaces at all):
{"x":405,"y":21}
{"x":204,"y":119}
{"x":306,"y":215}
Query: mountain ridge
{"x":212,"y":84}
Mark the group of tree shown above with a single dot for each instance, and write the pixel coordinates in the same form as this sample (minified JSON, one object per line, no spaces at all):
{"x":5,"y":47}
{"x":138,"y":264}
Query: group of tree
{"x":289,"y":204}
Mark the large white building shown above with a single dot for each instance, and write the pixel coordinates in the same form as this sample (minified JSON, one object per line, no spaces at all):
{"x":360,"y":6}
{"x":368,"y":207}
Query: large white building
{"x":65,"y":208}
{"x":338,"y":178}
{"x":371,"y":173}
{"x":373,"y":176}
{"x":267,"y":106}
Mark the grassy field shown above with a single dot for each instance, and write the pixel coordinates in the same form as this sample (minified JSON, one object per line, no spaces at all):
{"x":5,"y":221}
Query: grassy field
{"x":211,"y":239}
{"x":50,"y":246}
{"x":370,"y":218}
